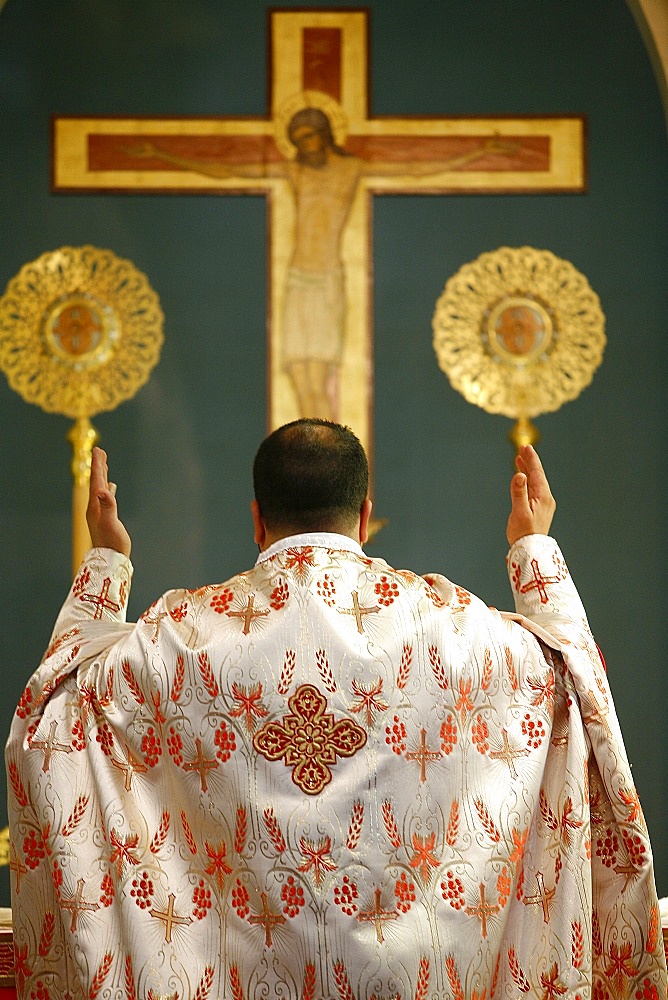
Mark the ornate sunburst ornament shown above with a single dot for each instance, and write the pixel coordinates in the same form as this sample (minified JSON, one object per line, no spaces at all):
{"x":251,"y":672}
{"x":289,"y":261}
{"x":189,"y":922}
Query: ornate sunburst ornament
{"x":80,"y":332}
{"x":519,"y":332}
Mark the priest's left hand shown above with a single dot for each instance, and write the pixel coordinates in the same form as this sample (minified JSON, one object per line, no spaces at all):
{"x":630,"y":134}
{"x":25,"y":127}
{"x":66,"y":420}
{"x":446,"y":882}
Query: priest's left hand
{"x":106,"y":529}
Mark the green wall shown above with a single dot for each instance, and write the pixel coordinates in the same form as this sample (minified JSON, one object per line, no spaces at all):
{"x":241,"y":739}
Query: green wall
{"x":181,"y":449}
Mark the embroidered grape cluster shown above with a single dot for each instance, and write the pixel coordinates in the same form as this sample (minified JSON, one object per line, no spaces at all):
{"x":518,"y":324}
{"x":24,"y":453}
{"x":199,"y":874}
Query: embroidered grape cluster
{"x":202,"y":900}
{"x":448,"y":735}
{"x":647,"y":991}
{"x":480,"y":735}
{"x":534,"y":730}
{"x":279,"y":596}
{"x":78,"y":736}
{"x":178,"y":613}
{"x":405,"y":893}
{"x":225,"y":741}
{"x":326,"y":589}
{"x":151,"y":747}
{"x":396,"y":736}
{"x":293,"y":897}
{"x":221,"y":602}
{"x":40,"y":991}
{"x":387,"y":591}
{"x":636,"y":849}
{"x":175,"y":746}
{"x":240,"y":899}
{"x":345,"y":894}
{"x":453,"y":890}
{"x":107,"y":893}
{"x":34,"y":849}
{"x":607,"y":847}
{"x":23,"y":708}
{"x":142,"y":890}
{"x":105,"y":738}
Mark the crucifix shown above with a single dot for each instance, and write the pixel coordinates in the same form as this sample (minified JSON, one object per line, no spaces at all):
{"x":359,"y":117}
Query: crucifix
{"x":319,"y":156}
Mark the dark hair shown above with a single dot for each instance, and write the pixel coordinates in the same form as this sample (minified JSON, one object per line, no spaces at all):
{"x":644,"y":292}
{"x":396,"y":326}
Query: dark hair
{"x":311,"y":475}
{"x":319,"y":122}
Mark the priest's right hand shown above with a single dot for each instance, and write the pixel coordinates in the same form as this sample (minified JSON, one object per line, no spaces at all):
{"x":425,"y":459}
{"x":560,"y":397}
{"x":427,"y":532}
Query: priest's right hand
{"x":106,"y":529}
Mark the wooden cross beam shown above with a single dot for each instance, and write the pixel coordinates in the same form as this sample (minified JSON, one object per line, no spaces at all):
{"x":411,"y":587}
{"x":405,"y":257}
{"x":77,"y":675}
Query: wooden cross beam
{"x":319,"y":156}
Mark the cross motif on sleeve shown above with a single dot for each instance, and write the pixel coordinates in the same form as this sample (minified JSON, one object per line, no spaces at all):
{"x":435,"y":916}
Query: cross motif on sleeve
{"x":248,"y":614}
{"x":539,"y":582}
{"x":543,"y":896}
{"x":77,"y":904}
{"x":50,"y":745}
{"x":169,"y":918}
{"x":101,"y":601}
{"x":509,"y":754}
{"x":267,"y":919}
{"x":17,"y":866}
{"x":482,"y":910}
{"x":358,"y":612}
{"x":423,"y":755}
{"x":377,"y":916}
{"x":200,"y":764}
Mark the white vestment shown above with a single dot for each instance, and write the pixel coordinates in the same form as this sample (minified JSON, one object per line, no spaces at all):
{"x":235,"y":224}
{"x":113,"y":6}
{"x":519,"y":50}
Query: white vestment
{"x":327,"y":778}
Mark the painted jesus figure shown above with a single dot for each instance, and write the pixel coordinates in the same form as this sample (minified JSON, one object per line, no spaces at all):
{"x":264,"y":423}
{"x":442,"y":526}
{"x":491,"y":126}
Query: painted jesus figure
{"x":323,"y":179}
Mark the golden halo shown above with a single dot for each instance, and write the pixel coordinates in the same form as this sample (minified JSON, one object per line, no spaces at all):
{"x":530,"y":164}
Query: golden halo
{"x":519,"y":332}
{"x":80,"y":331}
{"x":308,"y":99}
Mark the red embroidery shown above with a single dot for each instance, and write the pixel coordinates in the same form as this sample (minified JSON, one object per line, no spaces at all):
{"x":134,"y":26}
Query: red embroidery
{"x":309,"y":740}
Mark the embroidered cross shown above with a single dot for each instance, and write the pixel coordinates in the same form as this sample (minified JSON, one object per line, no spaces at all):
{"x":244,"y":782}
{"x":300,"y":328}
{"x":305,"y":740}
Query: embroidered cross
{"x":169,"y":917}
{"x":77,"y":904}
{"x":543,"y":896}
{"x":130,"y":767}
{"x":423,"y":755}
{"x":101,"y":600}
{"x":17,"y":866}
{"x":539,"y":582}
{"x":629,"y":872}
{"x":200,"y":764}
{"x":267,"y":919}
{"x":309,"y":740}
{"x":358,"y":612}
{"x":508,"y":754}
{"x":50,"y":746}
{"x":155,"y":619}
{"x":377,"y":915}
{"x":482,"y":910}
{"x":248,"y":614}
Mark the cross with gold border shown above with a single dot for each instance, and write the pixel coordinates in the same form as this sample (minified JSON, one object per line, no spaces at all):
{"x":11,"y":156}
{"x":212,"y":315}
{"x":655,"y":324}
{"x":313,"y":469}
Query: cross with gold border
{"x":249,"y":614}
{"x":266,"y":919}
{"x":130,"y":767}
{"x":77,"y":904}
{"x":201,"y":764}
{"x":423,"y":755}
{"x":358,"y":611}
{"x":50,"y":745}
{"x":543,"y":896}
{"x":508,"y":754}
{"x":377,"y":915}
{"x":319,"y":58}
{"x":169,"y":918}
{"x":482,"y":910}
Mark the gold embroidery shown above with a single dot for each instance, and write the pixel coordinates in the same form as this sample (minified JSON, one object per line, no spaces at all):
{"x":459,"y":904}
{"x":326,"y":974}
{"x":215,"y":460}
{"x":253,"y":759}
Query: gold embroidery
{"x":309,"y":740}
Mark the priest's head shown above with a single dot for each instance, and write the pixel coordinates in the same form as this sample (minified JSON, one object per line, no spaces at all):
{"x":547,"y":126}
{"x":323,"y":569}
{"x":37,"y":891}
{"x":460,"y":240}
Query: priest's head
{"x":310,"y":475}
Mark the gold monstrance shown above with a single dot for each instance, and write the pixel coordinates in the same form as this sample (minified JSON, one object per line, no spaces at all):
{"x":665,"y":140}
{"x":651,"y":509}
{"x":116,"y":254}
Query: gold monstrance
{"x":519,"y":332}
{"x":80,"y":331}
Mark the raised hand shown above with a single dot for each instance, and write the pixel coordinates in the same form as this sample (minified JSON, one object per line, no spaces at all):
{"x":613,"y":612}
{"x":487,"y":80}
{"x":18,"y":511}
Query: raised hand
{"x":106,"y":529}
{"x":533,"y":505}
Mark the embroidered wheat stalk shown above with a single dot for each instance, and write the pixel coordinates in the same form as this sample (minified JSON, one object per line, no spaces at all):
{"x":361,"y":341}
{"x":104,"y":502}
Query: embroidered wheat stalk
{"x":46,"y":936}
{"x":206,"y":673}
{"x":405,"y":666}
{"x":453,"y":978}
{"x":190,"y":840}
{"x":355,"y":827}
{"x":160,"y":834}
{"x":516,"y":971}
{"x":100,"y":976}
{"x":453,"y":824}
{"x":437,"y":667}
{"x":75,"y":816}
{"x":240,"y":829}
{"x":487,"y":821}
{"x":179,"y":677}
{"x":391,"y":824}
{"x":287,"y":670}
{"x":131,"y":682}
{"x":205,"y":983}
{"x":274,"y":830}
{"x":325,"y":670}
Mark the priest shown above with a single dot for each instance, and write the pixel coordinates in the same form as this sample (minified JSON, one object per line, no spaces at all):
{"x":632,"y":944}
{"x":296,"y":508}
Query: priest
{"x":327,"y":777}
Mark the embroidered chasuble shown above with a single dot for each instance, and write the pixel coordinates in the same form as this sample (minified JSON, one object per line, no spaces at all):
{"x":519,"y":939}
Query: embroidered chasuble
{"x":326,"y":778}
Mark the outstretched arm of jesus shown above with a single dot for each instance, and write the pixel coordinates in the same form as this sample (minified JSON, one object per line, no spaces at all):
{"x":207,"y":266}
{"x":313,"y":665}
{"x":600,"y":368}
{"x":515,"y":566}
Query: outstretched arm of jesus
{"x":106,"y":528}
{"x":147,"y":151}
